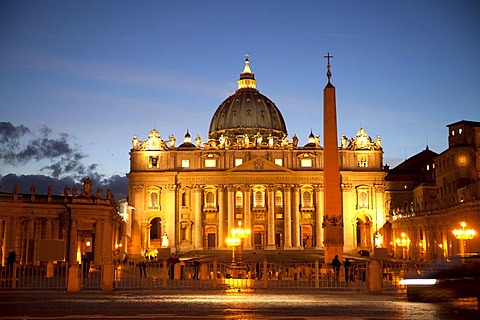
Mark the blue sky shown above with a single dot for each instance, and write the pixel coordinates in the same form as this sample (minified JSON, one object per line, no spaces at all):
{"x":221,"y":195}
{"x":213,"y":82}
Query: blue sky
{"x":85,"y":76}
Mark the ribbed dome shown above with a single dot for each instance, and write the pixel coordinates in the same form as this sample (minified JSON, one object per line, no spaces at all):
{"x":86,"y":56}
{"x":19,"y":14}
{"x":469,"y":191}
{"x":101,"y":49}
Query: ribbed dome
{"x":247,"y":111}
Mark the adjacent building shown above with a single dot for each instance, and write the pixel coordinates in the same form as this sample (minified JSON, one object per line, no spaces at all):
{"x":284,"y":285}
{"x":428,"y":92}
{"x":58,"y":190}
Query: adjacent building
{"x":430,"y":195}
{"x":43,"y":228}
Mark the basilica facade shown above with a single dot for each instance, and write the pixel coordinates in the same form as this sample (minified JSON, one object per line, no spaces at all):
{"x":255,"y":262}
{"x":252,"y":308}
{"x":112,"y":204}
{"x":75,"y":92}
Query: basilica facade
{"x":250,"y":172}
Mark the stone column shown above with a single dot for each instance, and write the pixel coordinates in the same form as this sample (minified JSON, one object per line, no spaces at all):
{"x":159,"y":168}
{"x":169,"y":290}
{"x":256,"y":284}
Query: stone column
{"x":98,"y":247}
{"x":230,"y":208}
{"x":198,"y":224}
{"x":287,"y":217}
{"x":72,"y":252}
{"x":296,"y":217}
{"x":271,"y":218}
{"x":319,"y":205}
{"x":221,"y":217}
{"x":248,"y":215}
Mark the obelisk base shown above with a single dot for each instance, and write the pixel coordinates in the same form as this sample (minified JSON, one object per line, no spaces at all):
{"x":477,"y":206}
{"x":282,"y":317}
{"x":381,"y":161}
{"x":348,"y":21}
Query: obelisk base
{"x":333,"y":243}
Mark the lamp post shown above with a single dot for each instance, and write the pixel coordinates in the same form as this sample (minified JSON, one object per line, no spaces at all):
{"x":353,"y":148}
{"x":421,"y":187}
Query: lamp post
{"x":233,"y":242}
{"x":463,"y":234}
{"x":240,"y":233}
{"x":403,"y":242}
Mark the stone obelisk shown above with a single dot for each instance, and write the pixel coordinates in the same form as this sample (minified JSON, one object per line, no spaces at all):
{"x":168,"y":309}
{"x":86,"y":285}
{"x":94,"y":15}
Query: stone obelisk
{"x":333,"y":217}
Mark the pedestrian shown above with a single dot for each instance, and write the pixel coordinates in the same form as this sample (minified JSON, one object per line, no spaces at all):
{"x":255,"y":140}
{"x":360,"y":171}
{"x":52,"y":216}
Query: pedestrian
{"x":171,"y":265}
{"x":11,"y":259}
{"x":336,"y":266}
{"x":347,"y":265}
{"x":85,"y":266}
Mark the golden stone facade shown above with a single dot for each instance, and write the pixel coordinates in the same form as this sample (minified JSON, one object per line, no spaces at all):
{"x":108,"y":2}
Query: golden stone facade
{"x":249,"y":170}
{"x":43,"y":228}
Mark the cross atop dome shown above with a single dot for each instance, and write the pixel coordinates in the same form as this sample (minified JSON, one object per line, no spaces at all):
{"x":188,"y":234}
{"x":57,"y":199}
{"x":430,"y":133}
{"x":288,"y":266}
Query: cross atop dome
{"x":247,"y":78}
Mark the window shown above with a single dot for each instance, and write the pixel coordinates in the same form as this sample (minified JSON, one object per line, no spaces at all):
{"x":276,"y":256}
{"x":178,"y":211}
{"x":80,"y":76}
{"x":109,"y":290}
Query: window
{"x":153,"y":199}
{"x":278,"y":199}
{"x":153,"y":162}
{"x":184,"y":199}
{"x":363,"y":199}
{"x":185,"y":163}
{"x":306,"y":163}
{"x":307,"y":199}
{"x":362,"y":160}
{"x":210,"y":199}
{"x":460,"y":131}
{"x":259,"y":199}
{"x":210,"y":163}
{"x":238,"y":161}
{"x":239,"y":199}
{"x":279,"y":162}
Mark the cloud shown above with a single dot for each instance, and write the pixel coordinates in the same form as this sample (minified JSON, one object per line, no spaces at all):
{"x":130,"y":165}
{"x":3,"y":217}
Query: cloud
{"x":20,"y":145}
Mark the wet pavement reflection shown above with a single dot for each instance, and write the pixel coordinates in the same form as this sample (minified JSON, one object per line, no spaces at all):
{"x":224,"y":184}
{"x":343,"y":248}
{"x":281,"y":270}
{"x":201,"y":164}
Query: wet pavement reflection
{"x":228,"y":305}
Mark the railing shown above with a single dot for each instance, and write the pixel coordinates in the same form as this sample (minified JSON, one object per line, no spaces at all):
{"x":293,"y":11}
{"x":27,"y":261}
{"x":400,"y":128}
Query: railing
{"x":28,"y":277}
{"x":158,"y":275}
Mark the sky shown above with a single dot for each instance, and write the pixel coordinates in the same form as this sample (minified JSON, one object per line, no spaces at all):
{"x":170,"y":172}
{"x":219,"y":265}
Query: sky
{"x":78,"y":79}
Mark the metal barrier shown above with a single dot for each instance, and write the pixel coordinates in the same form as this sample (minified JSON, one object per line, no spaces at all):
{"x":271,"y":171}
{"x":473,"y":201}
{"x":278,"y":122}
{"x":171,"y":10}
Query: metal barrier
{"x":157,"y":275}
{"x":91,"y":277}
{"x":28,"y":277}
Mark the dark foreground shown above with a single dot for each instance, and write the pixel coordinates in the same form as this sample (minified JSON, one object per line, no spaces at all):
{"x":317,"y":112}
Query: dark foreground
{"x":294,"y":305}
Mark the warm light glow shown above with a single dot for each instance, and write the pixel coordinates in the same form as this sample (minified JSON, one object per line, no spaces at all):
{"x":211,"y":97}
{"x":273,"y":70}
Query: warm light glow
{"x":88,"y":243}
{"x":404,"y":241}
{"x":240,"y":232}
{"x":464,"y":233}
{"x":233,"y":242}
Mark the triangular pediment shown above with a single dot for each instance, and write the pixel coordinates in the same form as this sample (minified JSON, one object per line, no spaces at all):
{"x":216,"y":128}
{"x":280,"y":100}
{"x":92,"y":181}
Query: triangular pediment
{"x":259,"y":164}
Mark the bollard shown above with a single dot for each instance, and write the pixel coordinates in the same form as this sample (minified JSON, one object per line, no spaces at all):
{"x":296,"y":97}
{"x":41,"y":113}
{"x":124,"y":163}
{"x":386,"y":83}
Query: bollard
{"x":374,"y":277}
{"x":164,"y":273}
{"x":265,"y":274}
{"x":317,"y":278}
{"x":73,"y":284}
{"x":50,"y":272}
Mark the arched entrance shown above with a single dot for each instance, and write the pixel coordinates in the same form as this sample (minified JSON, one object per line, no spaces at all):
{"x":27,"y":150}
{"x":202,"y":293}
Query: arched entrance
{"x":156,"y":232}
{"x":364,"y":232}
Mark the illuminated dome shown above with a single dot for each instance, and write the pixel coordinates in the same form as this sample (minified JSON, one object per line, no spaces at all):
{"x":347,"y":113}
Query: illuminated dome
{"x":247,"y":112}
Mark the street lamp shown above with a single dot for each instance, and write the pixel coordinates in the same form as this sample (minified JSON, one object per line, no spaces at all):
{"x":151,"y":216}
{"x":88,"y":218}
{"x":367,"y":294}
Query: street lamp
{"x":240,"y":233}
{"x":463,"y":234}
{"x":233,"y":242}
{"x":403,"y":242}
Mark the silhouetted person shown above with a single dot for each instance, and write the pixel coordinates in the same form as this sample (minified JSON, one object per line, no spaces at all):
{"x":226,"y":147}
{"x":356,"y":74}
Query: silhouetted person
{"x":11,"y":259}
{"x":85,"y":266}
{"x":336,"y":266}
{"x":171,"y":262}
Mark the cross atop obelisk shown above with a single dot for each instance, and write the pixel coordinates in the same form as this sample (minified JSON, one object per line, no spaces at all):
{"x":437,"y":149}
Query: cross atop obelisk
{"x":329,"y":73}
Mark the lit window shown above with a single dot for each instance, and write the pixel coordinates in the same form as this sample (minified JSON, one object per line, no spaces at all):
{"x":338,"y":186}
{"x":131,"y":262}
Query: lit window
{"x":238,"y":161}
{"x":153,"y":162}
{"x":460,"y":131}
{"x":185,"y":163}
{"x":428,"y":167}
{"x":154,"y":199}
{"x":259,"y":200}
{"x":210,"y":163}
{"x":362,"y":161}
{"x":279,"y":162}
{"x":307,"y":199}
{"x":363,"y":199}
{"x":306,"y":162}
{"x":453,"y":132}
{"x":239,"y":199}
{"x":210,"y":200}
{"x":278,"y":199}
